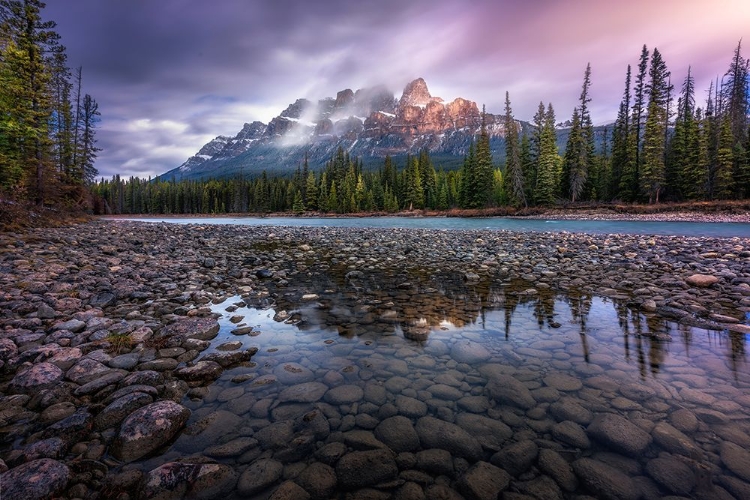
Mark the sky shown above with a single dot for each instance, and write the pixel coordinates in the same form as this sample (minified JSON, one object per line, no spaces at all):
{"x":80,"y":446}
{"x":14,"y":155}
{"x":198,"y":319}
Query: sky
{"x":170,"y":75}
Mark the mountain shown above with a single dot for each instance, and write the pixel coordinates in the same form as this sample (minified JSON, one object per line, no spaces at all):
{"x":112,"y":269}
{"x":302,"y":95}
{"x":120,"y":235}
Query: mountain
{"x":369,"y":123}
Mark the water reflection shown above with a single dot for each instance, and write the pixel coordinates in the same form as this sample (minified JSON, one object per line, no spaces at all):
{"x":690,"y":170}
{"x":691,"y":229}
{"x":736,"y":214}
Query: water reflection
{"x":417,"y":306}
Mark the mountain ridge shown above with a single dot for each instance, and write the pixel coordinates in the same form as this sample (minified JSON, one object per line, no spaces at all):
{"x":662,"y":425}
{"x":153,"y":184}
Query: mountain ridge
{"x":368,"y":123}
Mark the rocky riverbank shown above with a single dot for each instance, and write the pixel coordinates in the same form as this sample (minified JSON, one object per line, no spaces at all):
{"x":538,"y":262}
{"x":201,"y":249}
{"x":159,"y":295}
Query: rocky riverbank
{"x":107,"y":357}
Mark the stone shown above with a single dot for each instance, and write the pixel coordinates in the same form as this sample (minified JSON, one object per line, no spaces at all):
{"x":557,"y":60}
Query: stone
{"x":360,"y":469}
{"x":260,"y":475}
{"x":569,"y":409}
{"x":39,"y":376}
{"x":192,"y":328}
{"x":344,"y":394}
{"x":233,"y":448}
{"x":540,"y":487}
{"x":109,"y":378}
{"x":672,"y":474}
{"x":563,"y":382}
{"x":571,"y":433}
{"x":516,"y":458}
{"x":289,"y":490}
{"x":684,"y":420}
{"x":318,"y":479}
{"x":435,"y":462}
{"x":209,"y":430}
{"x":200,"y":372}
{"x":471,"y":353}
{"x":330,"y":453}
{"x":35,"y":480}
{"x":701,"y":280}
{"x":736,"y":458}
{"x":505,"y":389}
{"x":674,"y":441}
{"x":434,"y":433}
{"x":474,"y":404}
{"x":293,"y":373}
{"x":618,"y":433}
{"x":398,"y":434}
{"x":73,"y":325}
{"x":120,"y":408}
{"x":148,"y":428}
{"x":483,"y":481}
{"x":605,"y":481}
{"x":493,"y":433}
{"x":187,"y":480}
{"x":555,"y":466}
{"x":308,"y":392}
{"x":410,"y":407}
{"x":85,"y":371}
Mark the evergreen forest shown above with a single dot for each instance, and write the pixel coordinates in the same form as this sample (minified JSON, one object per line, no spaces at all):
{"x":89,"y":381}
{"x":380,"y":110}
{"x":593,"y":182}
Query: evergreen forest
{"x":47,"y":123}
{"x":662,"y":147}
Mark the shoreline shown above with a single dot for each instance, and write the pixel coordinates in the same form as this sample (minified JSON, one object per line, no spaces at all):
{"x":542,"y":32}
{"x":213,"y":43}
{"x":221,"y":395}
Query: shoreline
{"x":582,"y":215}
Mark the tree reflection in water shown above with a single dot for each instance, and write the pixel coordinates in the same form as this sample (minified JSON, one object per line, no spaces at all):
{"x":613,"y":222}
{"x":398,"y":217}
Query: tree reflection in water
{"x":419,"y":304}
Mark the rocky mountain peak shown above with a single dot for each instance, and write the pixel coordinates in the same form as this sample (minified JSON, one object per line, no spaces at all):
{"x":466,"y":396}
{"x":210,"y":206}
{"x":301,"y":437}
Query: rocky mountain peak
{"x":297,"y":109}
{"x":344,"y":99}
{"x":415,"y":94}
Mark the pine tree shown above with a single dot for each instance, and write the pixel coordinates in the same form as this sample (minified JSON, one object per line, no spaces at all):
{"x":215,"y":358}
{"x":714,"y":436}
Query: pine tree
{"x":574,"y":166}
{"x":620,"y":147}
{"x":736,"y":99}
{"x":513,"y":177}
{"x":630,"y":184}
{"x":653,"y":175}
{"x":482,"y":194}
{"x":548,"y":165}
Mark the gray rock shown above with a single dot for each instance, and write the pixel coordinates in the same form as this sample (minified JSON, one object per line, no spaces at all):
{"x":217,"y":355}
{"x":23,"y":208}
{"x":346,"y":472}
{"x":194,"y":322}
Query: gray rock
{"x":109,"y":378}
{"x":540,"y":487}
{"x":409,"y":491}
{"x":436,"y":462}
{"x":293,"y":373}
{"x":674,"y":441}
{"x":318,"y":479}
{"x":466,"y":351}
{"x":516,"y":458}
{"x":233,"y":448}
{"x":442,"y":492}
{"x":571,"y":433}
{"x":360,"y":469}
{"x":191,"y":328}
{"x":289,"y":490}
{"x":86,"y":370}
{"x":276,"y":435}
{"x":260,"y":475}
{"x":617,"y":432}
{"x":39,"y":376}
{"x":672,"y":474}
{"x":308,"y":392}
{"x":569,"y":409}
{"x":35,"y":480}
{"x":507,"y":390}
{"x":410,"y":407}
{"x":736,"y":458}
{"x":148,"y":428}
{"x":493,"y":433}
{"x":200,"y":372}
{"x":362,"y":440}
{"x":125,"y":361}
{"x":344,"y":394}
{"x":330,"y":453}
{"x":605,"y":481}
{"x":483,"y":481}
{"x":375,"y":394}
{"x":684,"y":420}
{"x":188,"y":480}
{"x":120,"y":408}
{"x":474,"y":404}
{"x":434,"y":433}
{"x":73,"y":325}
{"x":563,"y":382}
{"x":446,"y":392}
{"x":555,"y":466}
{"x":398,"y":433}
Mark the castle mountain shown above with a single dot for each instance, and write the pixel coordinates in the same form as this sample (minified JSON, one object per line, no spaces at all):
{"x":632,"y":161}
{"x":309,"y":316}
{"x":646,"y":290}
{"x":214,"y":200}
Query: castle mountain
{"x":369,"y":124}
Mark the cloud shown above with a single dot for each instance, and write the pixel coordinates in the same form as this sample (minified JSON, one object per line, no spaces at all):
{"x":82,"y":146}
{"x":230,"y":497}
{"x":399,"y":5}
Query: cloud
{"x":194,"y":70}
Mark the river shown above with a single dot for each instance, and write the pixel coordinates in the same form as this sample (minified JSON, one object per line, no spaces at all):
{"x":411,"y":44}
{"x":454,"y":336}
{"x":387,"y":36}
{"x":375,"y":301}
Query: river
{"x":708,"y":229}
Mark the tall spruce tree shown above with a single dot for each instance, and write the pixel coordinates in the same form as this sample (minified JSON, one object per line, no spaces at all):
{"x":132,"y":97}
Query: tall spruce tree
{"x":513,"y":177}
{"x":620,"y":137}
{"x":736,"y":106}
{"x":653,"y":174}
{"x":483,"y":194}
{"x":630,"y":181}
{"x":548,"y":162}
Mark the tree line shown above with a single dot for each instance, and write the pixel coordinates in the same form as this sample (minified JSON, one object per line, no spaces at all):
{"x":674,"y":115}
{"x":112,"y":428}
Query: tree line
{"x":658,"y":149}
{"x":47,"y":127}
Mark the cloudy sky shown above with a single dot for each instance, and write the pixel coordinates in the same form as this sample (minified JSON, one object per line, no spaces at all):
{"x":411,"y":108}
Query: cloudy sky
{"x":169,"y":75}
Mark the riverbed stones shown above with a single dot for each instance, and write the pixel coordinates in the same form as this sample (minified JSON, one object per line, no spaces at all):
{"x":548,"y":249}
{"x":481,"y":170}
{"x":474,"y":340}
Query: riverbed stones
{"x":398,"y":434}
{"x":191,"y":328}
{"x":506,"y":389}
{"x":673,"y":440}
{"x":493,"y":433}
{"x":360,"y":469}
{"x":617,"y":432}
{"x":701,"y":280}
{"x":483,"y":481}
{"x":37,"y":377}
{"x":466,"y":351}
{"x":736,"y":459}
{"x":188,"y":480}
{"x":605,"y":481}
{"x":318,"y":480}
{"x":434,"y":433}
{"x":344,"y":394}
{"x":260,"y":475}
{"x":672,"y":474}
{"x":148,"y":428}
{"x":516,"y":458}
{"x":35,"y":480}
